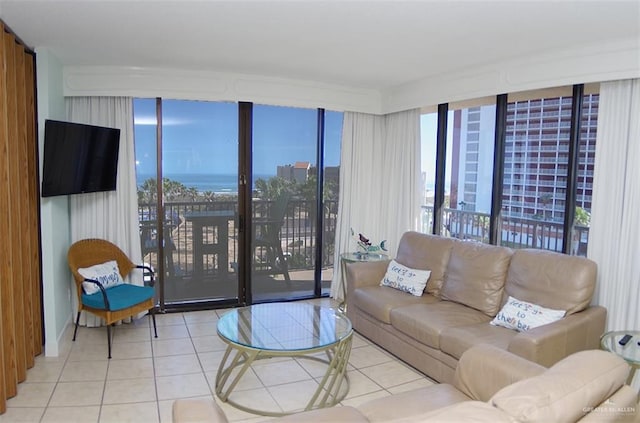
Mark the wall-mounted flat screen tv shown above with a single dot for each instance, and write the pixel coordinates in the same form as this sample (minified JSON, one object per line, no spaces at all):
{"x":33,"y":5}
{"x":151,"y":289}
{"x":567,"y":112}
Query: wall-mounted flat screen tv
{"x":79,"y":158}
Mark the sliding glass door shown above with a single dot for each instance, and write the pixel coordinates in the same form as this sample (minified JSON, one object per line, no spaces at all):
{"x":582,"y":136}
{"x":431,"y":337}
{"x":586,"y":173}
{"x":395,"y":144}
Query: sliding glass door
{"x":284,"y":202}
{"x":196,"y":219}
{"x":195,"y":236}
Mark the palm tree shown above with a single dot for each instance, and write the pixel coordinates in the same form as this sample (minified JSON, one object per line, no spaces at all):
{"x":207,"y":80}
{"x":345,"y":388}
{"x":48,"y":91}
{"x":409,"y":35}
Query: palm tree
{"x":193,"y":193}
{"x":147,"y":191}
{"x":582,"y":217}
{"x":273,"y":187}
{"x":173,"y":190}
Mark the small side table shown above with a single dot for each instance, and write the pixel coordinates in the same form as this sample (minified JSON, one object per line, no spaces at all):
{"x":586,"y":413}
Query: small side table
{"x":354,"y":257}
{"x":629,"y":352}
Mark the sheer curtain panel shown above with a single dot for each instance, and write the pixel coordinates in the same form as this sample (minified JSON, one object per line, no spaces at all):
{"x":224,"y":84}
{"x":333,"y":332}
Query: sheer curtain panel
{"x":109,"y":215}
{"x":615,"y":212}
{"x":379,"y":182}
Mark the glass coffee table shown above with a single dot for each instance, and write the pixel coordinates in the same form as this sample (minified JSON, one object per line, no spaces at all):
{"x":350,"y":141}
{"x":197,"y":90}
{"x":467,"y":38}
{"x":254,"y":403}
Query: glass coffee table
{"x":297,"y":330}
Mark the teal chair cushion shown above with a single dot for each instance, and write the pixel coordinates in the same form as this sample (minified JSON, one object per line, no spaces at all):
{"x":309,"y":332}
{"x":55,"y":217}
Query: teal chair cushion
{"x":120,"y":297}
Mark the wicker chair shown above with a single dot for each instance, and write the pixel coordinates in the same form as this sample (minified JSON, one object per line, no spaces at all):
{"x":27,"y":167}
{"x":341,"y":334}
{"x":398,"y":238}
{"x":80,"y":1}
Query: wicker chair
{"x":116,"y":302}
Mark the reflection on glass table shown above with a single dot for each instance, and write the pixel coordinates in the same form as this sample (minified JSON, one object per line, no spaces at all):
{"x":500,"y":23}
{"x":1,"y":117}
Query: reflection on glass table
{"x":296,"y":330}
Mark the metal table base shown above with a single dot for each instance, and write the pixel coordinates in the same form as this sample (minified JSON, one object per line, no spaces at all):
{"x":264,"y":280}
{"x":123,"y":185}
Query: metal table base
{"x":331,"y":389}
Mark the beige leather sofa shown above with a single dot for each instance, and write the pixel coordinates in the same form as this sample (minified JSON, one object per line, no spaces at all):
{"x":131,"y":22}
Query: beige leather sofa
{"x":469,"y":284}
{"x":489,"y":385}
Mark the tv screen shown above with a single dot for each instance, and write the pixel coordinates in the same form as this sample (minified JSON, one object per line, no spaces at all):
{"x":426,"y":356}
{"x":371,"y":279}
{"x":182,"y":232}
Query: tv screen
{"x":79,"y":158}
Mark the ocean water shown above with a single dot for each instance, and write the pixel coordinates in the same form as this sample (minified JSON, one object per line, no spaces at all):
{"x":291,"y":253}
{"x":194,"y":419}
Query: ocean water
{"x":218,"y":183}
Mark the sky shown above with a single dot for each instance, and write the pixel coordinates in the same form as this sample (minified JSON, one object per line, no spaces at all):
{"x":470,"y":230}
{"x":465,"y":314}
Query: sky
{"x":202,"y":137}
{"x":428,"y":136}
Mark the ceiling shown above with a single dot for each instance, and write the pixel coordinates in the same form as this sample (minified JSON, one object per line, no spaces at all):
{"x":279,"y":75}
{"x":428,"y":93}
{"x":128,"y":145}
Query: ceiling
{"x":365,"y":44}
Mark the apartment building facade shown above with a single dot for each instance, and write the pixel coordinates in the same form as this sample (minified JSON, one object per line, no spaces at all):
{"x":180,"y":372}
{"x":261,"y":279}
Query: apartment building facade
{"x":535,"y":161}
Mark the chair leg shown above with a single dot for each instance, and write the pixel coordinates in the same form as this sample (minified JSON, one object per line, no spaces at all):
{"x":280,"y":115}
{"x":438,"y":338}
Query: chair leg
{"x":153,"y":317}
{"x":283,"y":263}
{"x":109,"y":339}
{"x":75,"y":331}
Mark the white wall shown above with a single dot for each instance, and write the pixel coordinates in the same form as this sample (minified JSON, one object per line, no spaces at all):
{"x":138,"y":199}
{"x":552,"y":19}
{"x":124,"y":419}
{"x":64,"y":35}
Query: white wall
{"x":595,"y":63}
{"x":215,"y":86}
{"x":55,"y":229}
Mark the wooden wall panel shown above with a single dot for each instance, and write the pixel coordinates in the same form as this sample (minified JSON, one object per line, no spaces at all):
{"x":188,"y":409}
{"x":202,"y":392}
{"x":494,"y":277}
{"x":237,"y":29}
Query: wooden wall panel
{"x":5,"y":253}
{"x":20,"y":275}
{"x":8,"y":297}
{"x":33,"y":208}
{"x":14,"y":206}
{"x":17,"y":194}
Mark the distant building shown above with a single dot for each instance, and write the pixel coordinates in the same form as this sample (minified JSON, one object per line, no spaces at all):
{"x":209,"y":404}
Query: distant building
{"x":472,"y":159}
{"x":332,"y":174}
{"x":535,"y":160}
{"x":537,"y":156}
{"x":298,"y":172}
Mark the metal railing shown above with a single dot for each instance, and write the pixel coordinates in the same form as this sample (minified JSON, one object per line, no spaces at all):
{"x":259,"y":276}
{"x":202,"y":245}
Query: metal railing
{"x":516,"y":232}
{"x":297,"y":234}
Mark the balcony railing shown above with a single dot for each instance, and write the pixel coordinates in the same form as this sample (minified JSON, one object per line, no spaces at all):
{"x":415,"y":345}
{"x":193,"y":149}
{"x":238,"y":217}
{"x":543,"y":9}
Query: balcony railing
{"x":297,"y":235}
{"x":516,"y":232}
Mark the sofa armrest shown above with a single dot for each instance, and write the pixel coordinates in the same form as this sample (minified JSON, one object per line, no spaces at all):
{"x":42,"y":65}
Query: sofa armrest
{"x":361,"y":274}
{"x":197,"y":411}
{"x":622,"y":406}
{"x":485,"y":369}
{"x":550,"y":343}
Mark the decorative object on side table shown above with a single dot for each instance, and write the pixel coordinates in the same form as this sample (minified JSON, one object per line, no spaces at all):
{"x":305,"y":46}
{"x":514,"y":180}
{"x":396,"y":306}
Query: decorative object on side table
{"x":366,"y":252}
{"x":364,"y":245}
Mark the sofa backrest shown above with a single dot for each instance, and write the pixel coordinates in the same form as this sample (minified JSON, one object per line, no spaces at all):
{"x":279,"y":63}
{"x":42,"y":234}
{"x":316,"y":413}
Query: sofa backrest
{"x":553,"y":280}
{"x":476,"y":275}
{"x":567,"y":391}
{"x":426,"y":252}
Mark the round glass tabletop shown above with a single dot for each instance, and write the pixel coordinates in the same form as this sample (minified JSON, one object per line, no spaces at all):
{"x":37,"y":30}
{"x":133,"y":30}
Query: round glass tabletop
{"x":358,"y":256}
{"x":284,"y":326}
{"x":630,"y":351}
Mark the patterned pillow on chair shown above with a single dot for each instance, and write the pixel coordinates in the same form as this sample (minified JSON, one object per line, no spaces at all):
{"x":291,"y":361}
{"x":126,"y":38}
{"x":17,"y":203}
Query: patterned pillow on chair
{"x":107,"y":274}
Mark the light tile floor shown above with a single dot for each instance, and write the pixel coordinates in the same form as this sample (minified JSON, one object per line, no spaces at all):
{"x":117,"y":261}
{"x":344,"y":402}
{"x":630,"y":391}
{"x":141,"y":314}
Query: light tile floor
{"x":145,"y":375}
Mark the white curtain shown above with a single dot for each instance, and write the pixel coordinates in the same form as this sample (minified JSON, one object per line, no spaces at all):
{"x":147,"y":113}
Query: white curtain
{"x":379,"y":182}
{"x":615,"y":210}
{"x":109,"y":215}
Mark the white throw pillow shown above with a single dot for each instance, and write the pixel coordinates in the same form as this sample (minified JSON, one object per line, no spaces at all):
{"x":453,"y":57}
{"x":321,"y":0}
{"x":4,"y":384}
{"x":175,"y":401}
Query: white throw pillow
{"x":405,"y":279}
{"x":522,"y":316}
{"x":107,"y":274}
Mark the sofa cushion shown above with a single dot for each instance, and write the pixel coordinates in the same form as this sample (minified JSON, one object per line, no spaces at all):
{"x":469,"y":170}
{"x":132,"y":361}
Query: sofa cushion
{"x":326,"y":415}
{"x":476,"y":276}
{"x":455,"y":341}
{"x":411,"y":403}
{"x":426,"y":252}
{"x":469,"y":411}
{"x":567,"y":390}
{"x":378,"y":301}
{"x":426,"y":322}
{"x":552,"y":280}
